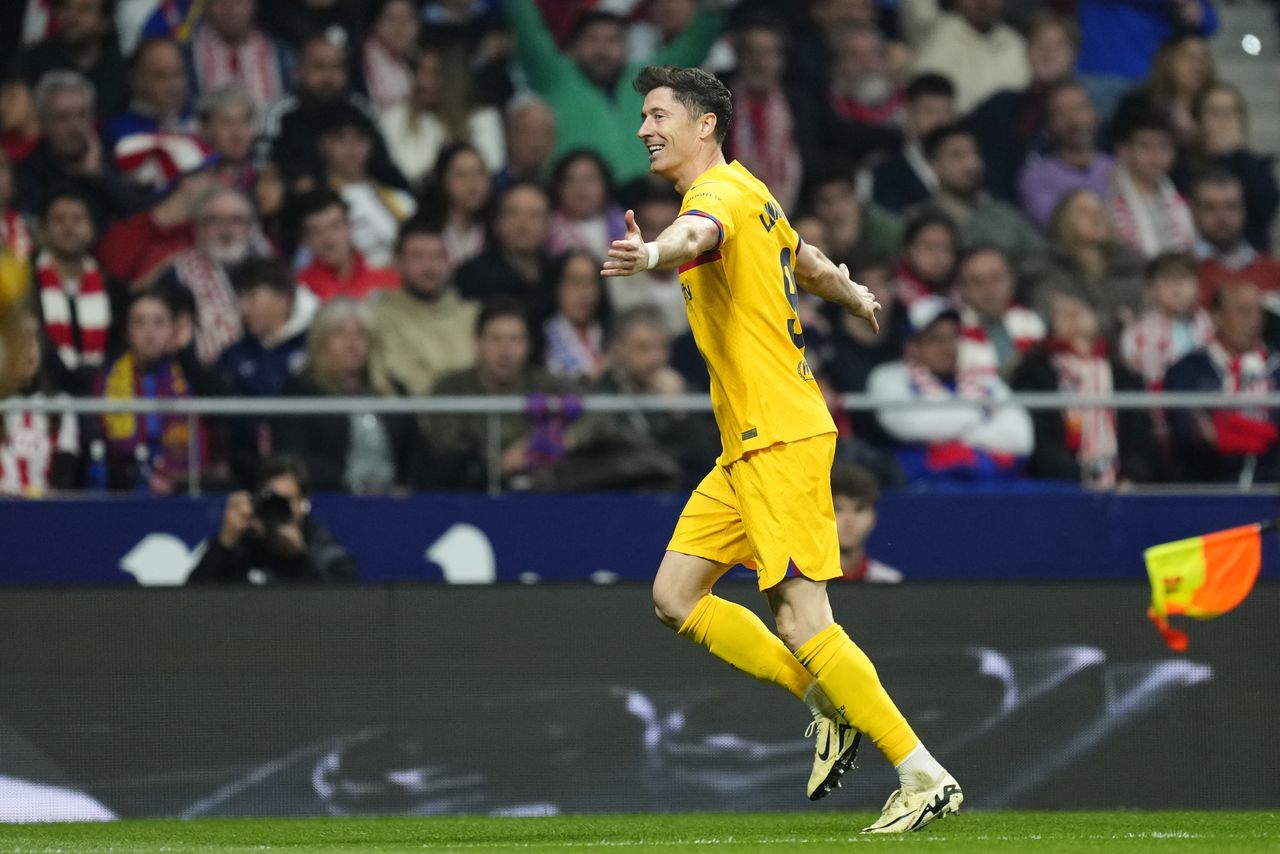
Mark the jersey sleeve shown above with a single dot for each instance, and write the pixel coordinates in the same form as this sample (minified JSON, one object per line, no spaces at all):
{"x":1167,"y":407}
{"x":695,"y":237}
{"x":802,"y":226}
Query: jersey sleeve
{"x":719,"y":202}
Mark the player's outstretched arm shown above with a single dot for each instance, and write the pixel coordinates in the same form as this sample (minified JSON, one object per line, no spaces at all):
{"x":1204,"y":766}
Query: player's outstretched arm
{"x":679,"y":243}
{"x":816,"y":273}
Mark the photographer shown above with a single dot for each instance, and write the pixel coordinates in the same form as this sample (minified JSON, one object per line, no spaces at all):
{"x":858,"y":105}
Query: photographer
{"x":269,"y":537}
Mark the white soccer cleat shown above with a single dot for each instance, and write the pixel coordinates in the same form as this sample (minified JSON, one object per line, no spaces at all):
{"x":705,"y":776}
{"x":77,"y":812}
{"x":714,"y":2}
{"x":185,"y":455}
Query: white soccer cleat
{"x":904,"y":813}
{"x":835,"y":747}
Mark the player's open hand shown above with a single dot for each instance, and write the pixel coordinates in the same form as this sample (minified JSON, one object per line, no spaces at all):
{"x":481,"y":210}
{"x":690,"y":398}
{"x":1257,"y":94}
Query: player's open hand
{"x":861,"y":302}
{"x":629,"y":255}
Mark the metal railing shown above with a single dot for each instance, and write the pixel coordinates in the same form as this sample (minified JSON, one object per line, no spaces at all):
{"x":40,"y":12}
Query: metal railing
{"x":493,"y":407}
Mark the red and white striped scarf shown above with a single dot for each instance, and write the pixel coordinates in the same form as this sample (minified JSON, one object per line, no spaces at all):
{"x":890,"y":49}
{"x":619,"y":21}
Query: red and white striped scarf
{"x":1247,"y":374}
{"x":978,"y":353}
{"x":15,"y":236}
{"x":763,"y":139}
{"x":217,"y":315}
{"x":388,"y":78}
{"x":28,"y":443}
{"x":1135,"y":226}
{"x":92,"y":312}
{"x":255,"y":65}
{"x":1149,"y":347}
{"x":1091,"y":433}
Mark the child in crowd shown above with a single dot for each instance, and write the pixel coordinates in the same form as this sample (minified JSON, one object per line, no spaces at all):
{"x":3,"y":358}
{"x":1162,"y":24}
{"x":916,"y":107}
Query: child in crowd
{"x":1173,"y":325}
{"x":855,"y":492}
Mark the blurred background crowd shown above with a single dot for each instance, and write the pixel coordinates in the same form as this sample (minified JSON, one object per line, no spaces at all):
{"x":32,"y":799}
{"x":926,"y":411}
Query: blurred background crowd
{"x":342,"y":198}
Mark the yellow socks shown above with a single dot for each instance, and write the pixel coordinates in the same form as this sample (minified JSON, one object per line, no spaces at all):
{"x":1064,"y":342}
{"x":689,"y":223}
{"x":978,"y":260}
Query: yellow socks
{"x":849,"y":680}
{"x":735,"y":635}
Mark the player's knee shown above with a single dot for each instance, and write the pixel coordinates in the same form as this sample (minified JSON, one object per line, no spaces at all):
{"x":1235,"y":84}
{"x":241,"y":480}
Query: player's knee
{"x":671,"y":607}
{"x":789,"y":628}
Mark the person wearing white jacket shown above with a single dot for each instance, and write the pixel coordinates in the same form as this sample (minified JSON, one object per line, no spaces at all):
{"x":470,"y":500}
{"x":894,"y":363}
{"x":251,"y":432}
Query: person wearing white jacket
{"x":987,"y":438}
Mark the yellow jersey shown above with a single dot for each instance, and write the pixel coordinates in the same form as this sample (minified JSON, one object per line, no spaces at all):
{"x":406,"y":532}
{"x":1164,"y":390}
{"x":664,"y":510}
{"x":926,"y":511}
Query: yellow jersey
{"x":742,"y":297}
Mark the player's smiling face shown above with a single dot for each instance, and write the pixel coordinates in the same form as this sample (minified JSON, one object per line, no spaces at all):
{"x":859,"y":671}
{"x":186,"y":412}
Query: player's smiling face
{"x":668,"y":131}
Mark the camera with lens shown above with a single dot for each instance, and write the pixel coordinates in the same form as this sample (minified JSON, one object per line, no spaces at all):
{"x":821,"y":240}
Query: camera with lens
{"x":272,"y":509}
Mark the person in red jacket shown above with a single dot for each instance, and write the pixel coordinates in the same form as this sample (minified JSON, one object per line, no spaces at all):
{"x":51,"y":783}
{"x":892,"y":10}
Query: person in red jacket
{"x":338,"y":268}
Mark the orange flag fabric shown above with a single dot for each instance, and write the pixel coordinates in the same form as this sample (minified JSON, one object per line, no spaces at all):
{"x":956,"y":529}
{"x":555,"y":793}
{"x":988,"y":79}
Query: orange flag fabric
{"x":1202,"y":577}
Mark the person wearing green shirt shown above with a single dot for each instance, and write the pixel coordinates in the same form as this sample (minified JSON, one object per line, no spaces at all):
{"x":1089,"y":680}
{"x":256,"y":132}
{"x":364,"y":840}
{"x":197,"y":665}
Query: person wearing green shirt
{"x":589,"y":85}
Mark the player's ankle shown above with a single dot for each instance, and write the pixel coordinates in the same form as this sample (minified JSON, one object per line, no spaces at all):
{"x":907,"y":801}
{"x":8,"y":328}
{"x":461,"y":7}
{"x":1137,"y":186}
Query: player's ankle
{"x":919,"y":770}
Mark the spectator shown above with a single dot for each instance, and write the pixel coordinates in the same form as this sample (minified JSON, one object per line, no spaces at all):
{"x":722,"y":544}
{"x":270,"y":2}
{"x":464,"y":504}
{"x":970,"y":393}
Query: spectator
{"x":1173,"y":325}
{"x":19,"y":124}
{"x":74,"y":296}
{"x":530,"y":130}
{"x":774,"y":132}
{"x":1096,"y":447}
{"x":930,"y":245}
{"x":459,"y":199}
{"x":293,"y":21}
{"x":586,"y":217}
{"x":1222,"y":131}
{"x":39,"y":451}
{"x":293,"y":123}
{"x":661,"y":22}
{"x":905,"y":179}
{"x":995,"y":333}
{"x":271,"y":537}
{"x":855,"y":492}
{"x":1071,"y":159}
{"x":360,"y":452}
{"x":83,"y":42}
{"x":854,"y":350}
{"x":339,"y":269}
{"x":975,"y":48}
{"x":526,"y":442}
{"x":15,"y":234}
{"x":158,"y":118}
{"x":983,"y":441}
{"x":952,"y":153}
{"x":589,"y":86}
{"x":817,"y":32}
{"x":151,"y":452}
{"x":1084,"y":255}
{"x":1121,"y":40}
{"x":225,"y":236}
{"x":1149,"y":212}
{"x":440,"y":110}
{"x":1011,"y":122}
{"x":137,"y":249}
{"x":643,"y":447}
{"x":515,"y":264}
{"x":175,"y":20}
{"x":275,"y":315}
{"x":426,"y":329}
{"x":70,"y":153}
{"x":387,"y":56}
{"x":852,"y":227}
{"x":273,"y":350}
{"x":575,"y":333}
{"x":227,"y":118}
{"x":477,"y":32}
{"x":655,"y":209}
{"x":1234,"y":445}
{"x":1225,"y":255}
{"x":1182,"y":70}
{"x":863,"y":88}
{"x":228,"y":49}
{"x":375,"y":210}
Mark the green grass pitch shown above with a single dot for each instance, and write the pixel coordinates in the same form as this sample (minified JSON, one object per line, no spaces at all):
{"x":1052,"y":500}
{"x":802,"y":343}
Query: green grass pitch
{"x":1225,"y":832}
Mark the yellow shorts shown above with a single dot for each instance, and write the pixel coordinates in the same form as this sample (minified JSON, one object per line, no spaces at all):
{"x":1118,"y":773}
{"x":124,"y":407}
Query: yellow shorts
{"x":770,"y":511}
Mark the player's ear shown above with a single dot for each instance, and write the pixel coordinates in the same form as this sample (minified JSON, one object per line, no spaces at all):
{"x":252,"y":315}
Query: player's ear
{"x":708,"y":128}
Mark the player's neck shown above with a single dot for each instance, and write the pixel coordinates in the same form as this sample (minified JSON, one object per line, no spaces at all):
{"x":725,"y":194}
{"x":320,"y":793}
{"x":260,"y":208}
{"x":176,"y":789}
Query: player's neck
{"x":698,"y":165}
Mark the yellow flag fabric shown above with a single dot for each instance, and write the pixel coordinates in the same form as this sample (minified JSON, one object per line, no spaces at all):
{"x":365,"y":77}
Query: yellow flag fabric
{"x":1202,"y":577}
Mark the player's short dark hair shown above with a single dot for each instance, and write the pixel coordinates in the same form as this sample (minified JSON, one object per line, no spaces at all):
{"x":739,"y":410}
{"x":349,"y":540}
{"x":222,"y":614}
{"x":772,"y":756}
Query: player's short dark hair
{"x":700,"y":92}
{"x":264,"y":273}
{"x":936,"y":138}
{"x":1137,"y":117}
{"x":1167,"y":265}
{"x":499,"y":307}
{"x":416,"y":227}
{"x":590,"y":19}
{"x":930,"y":83}
{"x":849,"y":480}
{"x":277,"y":465}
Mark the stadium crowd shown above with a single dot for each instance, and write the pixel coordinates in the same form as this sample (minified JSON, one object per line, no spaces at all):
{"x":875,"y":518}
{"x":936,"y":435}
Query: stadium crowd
{"x":397,"y":197}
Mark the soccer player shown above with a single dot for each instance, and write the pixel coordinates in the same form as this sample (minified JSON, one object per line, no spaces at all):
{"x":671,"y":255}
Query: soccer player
{"x":767,"y":502}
